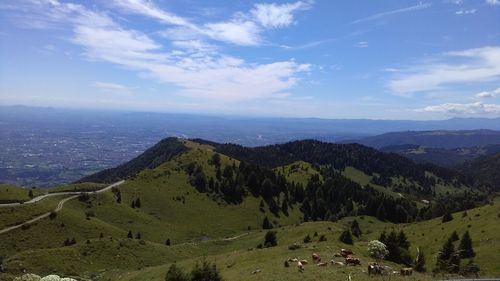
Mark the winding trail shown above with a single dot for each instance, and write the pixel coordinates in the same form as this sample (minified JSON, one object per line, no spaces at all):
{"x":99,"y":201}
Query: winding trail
{"x":60,"y":205}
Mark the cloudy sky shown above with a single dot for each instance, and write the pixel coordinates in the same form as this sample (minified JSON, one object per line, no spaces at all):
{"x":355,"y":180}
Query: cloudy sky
{"x":321,"y":58}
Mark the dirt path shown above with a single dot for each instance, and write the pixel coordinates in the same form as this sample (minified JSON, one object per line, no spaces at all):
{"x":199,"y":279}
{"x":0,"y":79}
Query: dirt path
{"x":59,"y":207}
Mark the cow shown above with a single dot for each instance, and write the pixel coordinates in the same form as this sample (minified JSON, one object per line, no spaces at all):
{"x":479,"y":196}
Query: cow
{"x":352,"y":261}
{"x":337,"y":255}
{"x":406,"y":271}
{"x":304,"y":261}
{"x":300,"y":266}
{"x":293,"y":260}
{"x":322,"y":264}
{"x":336,"y":262}
{"x":345,"y":253}
{"x":316,"y":258}
{"x":374,"y":268}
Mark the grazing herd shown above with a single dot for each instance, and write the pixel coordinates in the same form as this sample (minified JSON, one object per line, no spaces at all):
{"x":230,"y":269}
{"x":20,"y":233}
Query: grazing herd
{"x":349,"y":259}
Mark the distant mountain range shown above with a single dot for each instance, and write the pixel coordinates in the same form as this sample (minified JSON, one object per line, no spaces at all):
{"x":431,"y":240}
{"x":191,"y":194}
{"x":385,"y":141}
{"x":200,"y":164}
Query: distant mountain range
{"x":448,"y":139}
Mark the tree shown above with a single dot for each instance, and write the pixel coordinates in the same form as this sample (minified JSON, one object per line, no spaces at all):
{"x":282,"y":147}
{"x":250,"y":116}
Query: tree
{"x":216,"y":159}
{"x":138,"y":235}
{"x":447,"y":217}
{"x":129,"y":235}
{"x":470,"y":269}
{"x":444,"y":255}
{"x":30,"y":194}
{"x":266,"y":224}
{"x":454,"y":236}
{"x":228,"y":172}
{"x":132,"y":205}
{"x":200,"y":181}
{"x":270,"y":239}
{"x":167,"y":242}
{"x":176,"y":274}
{"x":307,"y":239}
{"x":138,"y":203}
{"x":403,"y":241}
{"x":377,"y":250}
{"x":465,"y":246}
{"x":205,"y":272}
{"x":52,"y":215}
{"x":420,"y":261}
{"x":356,"y":231}
{"x":346,"y":237}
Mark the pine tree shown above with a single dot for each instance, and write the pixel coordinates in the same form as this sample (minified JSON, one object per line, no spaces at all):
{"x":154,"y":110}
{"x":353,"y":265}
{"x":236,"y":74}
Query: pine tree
{"x":420,"y":261}
{"x":454,"y":236}
{"x":176,"y":274}
{"x":132,"y":204}
{"x":444,"y":255}
{"x":383,"y":237}
{"x":307,"y":239}
{"x":138,"y":203}
{"x":465,"y":247}
{"x":346,"y":237}
{"x":270,"y":239}
{"x":205,"y":272}
{"x":266,"y":224}
{"x":167,"y":242}
{"x":356,"y":231}
{"x":447,"y":217}
{"x":403,"y":241}
{"x":454,"y":263}
{"x":138,"y":235}
{"x":129,"y":235}
{"x":30,"y":193}
{"x":381,"y":212}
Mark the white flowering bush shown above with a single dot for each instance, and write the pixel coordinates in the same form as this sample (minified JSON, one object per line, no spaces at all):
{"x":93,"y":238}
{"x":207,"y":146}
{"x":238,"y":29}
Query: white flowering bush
{"x":377,"y":250}
{"x":51,"y":278}
{"x":34,"y":277}
{"x":28,"y":277}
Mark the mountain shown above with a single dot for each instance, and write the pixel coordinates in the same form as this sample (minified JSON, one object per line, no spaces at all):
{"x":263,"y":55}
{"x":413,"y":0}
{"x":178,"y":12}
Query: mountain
{"x":435,"y":139}
{"x":483,"y":173}
{"x":183,"y":200}
{"x":449,"y":158}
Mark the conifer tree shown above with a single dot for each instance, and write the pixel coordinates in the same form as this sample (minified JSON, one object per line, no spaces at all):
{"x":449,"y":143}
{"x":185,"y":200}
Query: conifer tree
{"x":129,"y":235}
{"x":454,"y":236}
{"x":266,"y":224}
{"x":420,"y":261}
{"x":356,"y":231}
{"x":176,"y":274}
{"x":465,"y":247}
{"x":346,"y":237}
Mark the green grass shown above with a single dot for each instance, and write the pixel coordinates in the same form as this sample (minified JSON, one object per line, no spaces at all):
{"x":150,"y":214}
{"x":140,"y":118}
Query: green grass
{"x":198,"y":224}
{"x":9,"y":192}
{"x":86,"y":186}
{"x":298,"y":172}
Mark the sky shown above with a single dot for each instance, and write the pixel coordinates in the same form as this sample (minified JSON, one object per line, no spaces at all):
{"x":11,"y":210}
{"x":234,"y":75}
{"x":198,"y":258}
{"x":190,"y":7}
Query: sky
{"x":309,"y":58}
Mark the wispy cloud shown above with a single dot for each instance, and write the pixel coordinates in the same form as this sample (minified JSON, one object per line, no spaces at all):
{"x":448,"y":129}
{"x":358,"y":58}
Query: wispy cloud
{"x":465,"y":12}
{"x":362,"y":44}
{"x":243,"y":28}
{"x":488,"y":94}
{"x":493,"y":2}
{"x":112,"y":88}
{"x":196,"y":70}
{"x":417,"y":7}
{"x":468,"y":66}
{"x":476,"y":108}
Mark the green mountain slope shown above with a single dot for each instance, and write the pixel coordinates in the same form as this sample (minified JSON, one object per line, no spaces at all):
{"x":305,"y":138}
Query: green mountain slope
{"x":206,"y":202}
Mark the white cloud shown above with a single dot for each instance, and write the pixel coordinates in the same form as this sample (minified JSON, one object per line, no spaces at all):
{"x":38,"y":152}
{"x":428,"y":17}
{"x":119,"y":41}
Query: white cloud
{"x":113,"y":88}
{"x":476,"y":108}
{"x":488,"y":94}
{"x":241,"y":29}
{"x":417,"y":7}
{"x":465,"y":12}
{"x":493,"y":2}
{"x":274,"y":15}
{"x":452,"y":68}
{"x":362,"y":44}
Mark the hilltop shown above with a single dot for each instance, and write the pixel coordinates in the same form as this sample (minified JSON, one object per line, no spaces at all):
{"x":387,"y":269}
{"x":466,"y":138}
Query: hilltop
{"x":185,"y":199}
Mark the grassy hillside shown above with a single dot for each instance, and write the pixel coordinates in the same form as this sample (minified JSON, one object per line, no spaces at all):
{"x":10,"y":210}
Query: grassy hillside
{"x":162,"y":201}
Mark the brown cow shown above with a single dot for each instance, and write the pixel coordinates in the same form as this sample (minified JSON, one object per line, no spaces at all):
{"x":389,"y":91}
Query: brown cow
{"x":316,"y":258}
{"x":406,"y":271}
{"x":352,"y":261}
{"x":346,"y":252}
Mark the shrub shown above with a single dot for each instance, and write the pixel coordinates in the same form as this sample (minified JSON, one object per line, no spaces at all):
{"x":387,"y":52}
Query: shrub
{"x":322,"y":238}
{"x":270,"y":239}
{"x":176,"y":274}
{"x":205,"y":272}
{"x":447,"y":217}
{"x":307,"y":239}
{"x":377,"y":250}
{"x":346,"y":237}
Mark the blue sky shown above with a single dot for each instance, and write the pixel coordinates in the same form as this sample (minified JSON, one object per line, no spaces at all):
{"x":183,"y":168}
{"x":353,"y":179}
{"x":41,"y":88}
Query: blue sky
{"x":330,"y":59}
